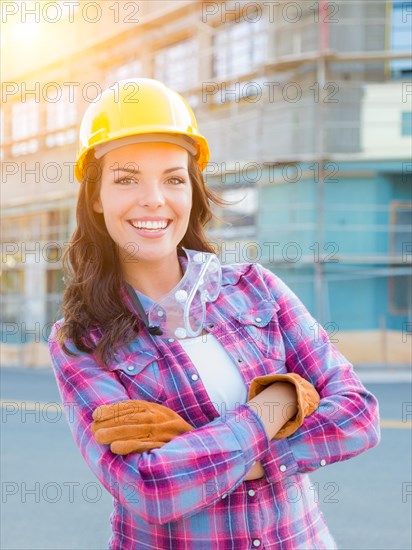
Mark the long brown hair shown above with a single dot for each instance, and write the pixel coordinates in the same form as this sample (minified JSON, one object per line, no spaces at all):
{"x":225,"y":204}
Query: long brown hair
{"x":91,"y":299}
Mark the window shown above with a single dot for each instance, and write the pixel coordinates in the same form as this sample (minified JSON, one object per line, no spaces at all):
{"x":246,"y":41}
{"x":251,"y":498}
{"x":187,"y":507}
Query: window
{"x":22,"y":228}
{"x":400,"y":287}
{"x":25,"y":124}
{"x":401,"y":37}
{"x":238,"y":219}
{"x":238,"y":48}
{"x":177,"y":65}
{"x":401,"y":226}
{"x":12,"y":297}
{"x":128,"y":70}
{"x":406,"y":124}
{"x":13,"y":229}
{"x":61,"y":115}
{"x":57,"y":226}
{"x":25,"y":121}
{"x":12,"y":280}
{"x":55,"y":287}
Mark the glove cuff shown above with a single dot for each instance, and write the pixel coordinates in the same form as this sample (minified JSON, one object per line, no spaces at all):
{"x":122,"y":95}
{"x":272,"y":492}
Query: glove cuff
{"x":307,"y":398}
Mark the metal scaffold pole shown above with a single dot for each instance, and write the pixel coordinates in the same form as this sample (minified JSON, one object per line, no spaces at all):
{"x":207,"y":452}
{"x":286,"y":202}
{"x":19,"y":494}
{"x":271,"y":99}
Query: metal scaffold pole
{"x":321,"y":78}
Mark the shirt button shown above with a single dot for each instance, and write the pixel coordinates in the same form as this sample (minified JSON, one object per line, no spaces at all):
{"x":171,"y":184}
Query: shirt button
{"x":251,"y":493}
{"x":131,"y":367}
{"x":195,"y":377}
{"x":170,"y":339}
{"x":224,"y":495}
{"x":323,"y":462}
{"x":256,"y":542}
{"x":240,"y":360}
{"x":211,"y":325}
{"x":258,"y":319}
{"x":282,"y":468}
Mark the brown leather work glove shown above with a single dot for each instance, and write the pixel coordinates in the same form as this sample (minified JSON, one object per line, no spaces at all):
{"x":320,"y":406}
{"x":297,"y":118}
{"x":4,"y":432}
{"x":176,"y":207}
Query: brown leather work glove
{"x":308,"y":398}
{"x":135,"y":426}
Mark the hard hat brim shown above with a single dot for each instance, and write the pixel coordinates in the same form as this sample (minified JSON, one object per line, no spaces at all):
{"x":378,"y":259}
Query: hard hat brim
{"x":202,"y":154}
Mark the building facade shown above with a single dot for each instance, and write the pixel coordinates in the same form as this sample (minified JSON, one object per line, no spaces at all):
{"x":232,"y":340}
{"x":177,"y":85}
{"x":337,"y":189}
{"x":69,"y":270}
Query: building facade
{"x":307,"y":109}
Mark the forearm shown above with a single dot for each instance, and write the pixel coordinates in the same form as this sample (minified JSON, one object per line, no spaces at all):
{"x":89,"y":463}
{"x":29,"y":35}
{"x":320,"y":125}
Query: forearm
{"x":346,"y":420}
{"x":275,"y":405}
{"x":154,"y":485}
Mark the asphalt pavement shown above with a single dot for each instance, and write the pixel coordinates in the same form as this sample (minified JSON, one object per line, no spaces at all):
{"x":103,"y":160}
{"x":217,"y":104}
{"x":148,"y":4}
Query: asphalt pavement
{"x":51,"y":500}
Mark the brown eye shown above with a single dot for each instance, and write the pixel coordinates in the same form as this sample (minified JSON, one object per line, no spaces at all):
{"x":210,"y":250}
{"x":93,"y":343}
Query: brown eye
{"x":176,"y":180}
{"x":125,"y":181}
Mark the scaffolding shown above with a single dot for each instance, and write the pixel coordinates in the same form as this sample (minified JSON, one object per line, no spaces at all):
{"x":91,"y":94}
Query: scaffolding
{"x":267,"y":102}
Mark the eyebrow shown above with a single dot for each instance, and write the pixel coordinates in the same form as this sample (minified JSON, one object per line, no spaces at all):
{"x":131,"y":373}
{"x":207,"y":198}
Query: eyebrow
{"x":137,"y":171}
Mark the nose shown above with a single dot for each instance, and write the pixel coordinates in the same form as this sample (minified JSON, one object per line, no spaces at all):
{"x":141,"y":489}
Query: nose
{"x":151,"y":195}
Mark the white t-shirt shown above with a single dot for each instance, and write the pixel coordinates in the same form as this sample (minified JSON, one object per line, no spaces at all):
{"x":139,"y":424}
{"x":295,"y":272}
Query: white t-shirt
{"x":219,"y":374}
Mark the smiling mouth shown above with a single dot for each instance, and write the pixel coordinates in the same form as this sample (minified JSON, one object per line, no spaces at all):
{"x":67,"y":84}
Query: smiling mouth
{"x":152,"y":227}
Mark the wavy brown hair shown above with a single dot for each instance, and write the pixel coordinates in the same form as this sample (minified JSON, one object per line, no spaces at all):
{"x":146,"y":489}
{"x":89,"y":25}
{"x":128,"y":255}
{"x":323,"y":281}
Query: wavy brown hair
{"x":91,"y":300}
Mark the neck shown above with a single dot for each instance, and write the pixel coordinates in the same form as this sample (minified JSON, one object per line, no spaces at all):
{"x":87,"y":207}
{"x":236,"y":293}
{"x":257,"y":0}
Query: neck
{"x":154,"y":280}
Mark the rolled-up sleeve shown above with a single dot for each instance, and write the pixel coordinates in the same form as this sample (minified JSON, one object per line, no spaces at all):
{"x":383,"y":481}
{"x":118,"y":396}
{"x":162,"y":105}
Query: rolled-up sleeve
{"x":164,"y":484}
{"x":346,"y":423}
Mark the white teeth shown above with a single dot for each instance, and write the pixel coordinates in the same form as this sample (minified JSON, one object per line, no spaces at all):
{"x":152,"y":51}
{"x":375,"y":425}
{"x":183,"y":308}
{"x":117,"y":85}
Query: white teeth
{"x":150,"y":225}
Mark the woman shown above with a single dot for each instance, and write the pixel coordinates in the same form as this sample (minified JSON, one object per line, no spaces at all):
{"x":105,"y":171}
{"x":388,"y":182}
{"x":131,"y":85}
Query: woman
{"x":195,"y":392}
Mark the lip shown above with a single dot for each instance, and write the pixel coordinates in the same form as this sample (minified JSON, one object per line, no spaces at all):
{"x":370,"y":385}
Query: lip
{"x":150,"y":219}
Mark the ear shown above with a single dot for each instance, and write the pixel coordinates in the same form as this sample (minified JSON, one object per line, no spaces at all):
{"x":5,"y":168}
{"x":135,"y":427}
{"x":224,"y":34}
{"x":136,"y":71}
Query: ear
{"x":97,"y":206}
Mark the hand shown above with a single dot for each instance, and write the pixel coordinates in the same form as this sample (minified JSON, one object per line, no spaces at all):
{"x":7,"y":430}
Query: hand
{"x":136,"y":426}
{"x":256,"y":472}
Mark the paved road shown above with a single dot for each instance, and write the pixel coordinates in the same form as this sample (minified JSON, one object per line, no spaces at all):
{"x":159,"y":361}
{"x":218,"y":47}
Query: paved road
{"x":51,"y":500}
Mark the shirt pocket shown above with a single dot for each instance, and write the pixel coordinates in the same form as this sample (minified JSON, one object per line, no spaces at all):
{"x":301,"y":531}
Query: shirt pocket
{"x":261,"y":324}
{"x":139,"y":373}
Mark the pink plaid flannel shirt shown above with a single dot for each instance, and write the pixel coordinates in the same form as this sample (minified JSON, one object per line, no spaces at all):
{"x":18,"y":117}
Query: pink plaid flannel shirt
{"x":191,"y":493}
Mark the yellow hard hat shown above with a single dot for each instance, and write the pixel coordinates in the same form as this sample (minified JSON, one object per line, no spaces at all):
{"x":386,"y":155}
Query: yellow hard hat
{"x":140,"y":107}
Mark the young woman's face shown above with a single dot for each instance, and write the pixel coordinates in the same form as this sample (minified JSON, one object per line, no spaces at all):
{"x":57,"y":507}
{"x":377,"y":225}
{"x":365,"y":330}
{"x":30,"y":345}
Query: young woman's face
{"x":146,"y":199}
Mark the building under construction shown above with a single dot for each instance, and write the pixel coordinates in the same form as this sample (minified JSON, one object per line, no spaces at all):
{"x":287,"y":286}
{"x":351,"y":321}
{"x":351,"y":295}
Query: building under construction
{"x":307,"y":109}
